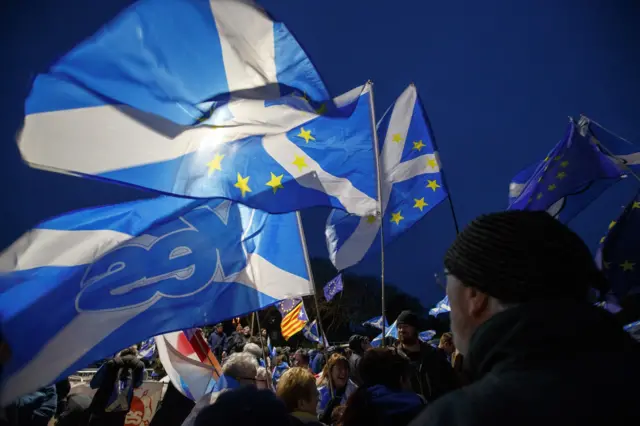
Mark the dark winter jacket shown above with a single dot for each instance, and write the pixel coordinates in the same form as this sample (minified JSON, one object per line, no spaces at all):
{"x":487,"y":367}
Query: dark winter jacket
{"x":433,"y":375}
{"x":546,"y":364}
{"x":34,"y":409}
{"x":218,"y":343}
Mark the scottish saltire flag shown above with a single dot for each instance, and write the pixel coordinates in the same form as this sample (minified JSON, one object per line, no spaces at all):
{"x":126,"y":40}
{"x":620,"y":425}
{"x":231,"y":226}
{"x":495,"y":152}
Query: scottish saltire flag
{"x":188,"y":372}
{"x":312,"y":332}
{"x":147,"y":349}
{"x":411,"y":184}
{"x":203,"y":99}
{"x":572,"y":175}
{"x":390,"y":332}
{"x":377,"y":322}
{"x":426,"y":335}
{"x":121,"y":273}
{"x":294,"y":317}
{"x":441,"y":307}
{"x":333,"y":287}
{"x":633,"y":329}
{"x":619,"y":252}
{"x":624,"y":152}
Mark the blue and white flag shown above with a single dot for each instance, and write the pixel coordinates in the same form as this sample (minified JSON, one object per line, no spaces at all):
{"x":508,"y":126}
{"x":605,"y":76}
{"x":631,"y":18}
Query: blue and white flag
{"x":633,"y":329}
{"x":333,"y":287}
{"x":377,"y":322}
{"x":119,"y":274}
{"x":163,"y":98}
{"x":441,"y":307}
{"x":147,"y":349}
{"x":426,"y":335}
{"x":411,"y":184}
{"x":312,"y":332}
{"x":389,"y":332}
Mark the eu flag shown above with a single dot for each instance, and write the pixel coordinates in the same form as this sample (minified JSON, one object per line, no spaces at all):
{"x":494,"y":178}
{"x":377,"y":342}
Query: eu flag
{"x":411,"y":184}
{"x":119,"y":274}
{"x":620,"y":252}
{"x":333,"y":287}
{"x":203,"y":99}
{"x":572,"y":175}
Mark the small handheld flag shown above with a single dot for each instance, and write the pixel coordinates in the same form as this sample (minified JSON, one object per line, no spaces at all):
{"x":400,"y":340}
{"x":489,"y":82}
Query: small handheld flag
{"x":441,"y":307}
{"x":377,"y":322}
{"x":312,"y":333}
{"x":294,"y":317}
{"x":333,"y":287}
{"x":391,"y":332}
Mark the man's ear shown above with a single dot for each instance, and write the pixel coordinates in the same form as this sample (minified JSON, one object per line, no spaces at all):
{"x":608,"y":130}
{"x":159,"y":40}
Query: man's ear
{"x":478,"y":301}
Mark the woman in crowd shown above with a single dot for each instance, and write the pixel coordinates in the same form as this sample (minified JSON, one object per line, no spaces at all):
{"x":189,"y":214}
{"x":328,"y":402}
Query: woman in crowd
{"x":297,"y":389}
{"x":334,"y":386}
{"x":385,"y":397}
{"x":281,"y":365}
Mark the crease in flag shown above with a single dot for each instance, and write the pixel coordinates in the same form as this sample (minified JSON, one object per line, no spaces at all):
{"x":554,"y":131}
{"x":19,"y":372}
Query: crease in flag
{"x":411,"y":184}
{"x":119,"y":274}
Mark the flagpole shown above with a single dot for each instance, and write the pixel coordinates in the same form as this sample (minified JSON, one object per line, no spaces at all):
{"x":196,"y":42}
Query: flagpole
{"x":376,"y":147}
{"x":264,"y":351}
{"x":305,"y":252}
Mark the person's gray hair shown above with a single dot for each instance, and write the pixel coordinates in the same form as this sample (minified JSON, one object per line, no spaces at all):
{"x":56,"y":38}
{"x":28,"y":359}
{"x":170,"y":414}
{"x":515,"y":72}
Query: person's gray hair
{"x":240,"y":365}
{"x":253,"y":349}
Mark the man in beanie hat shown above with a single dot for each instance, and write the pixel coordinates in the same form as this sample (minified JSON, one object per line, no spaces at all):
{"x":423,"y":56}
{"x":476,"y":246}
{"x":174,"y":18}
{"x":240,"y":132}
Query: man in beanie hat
{"x":218,"y":341}
{"x":432,"y":375}
{"x":518,"y":285}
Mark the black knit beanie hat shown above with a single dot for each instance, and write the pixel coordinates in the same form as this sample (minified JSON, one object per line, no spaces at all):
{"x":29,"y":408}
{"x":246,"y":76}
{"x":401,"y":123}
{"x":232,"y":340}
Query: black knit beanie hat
{"x":408,"y":318}
{"x":522,"y":256}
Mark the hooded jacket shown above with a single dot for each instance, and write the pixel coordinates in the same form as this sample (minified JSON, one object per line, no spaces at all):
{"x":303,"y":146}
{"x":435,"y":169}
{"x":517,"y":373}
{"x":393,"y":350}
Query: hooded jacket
{"x":545,"y":364}
{"x":395,"y":408}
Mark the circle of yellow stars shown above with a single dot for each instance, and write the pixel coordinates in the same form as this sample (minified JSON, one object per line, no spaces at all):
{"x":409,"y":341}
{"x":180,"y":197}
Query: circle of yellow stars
{"x":562,"y":174}
{"x":627,"y":265}
{"x":275,"y":182}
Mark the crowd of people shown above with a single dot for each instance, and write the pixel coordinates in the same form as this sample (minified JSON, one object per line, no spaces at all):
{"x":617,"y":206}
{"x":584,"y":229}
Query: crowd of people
{"x":527,"y":346}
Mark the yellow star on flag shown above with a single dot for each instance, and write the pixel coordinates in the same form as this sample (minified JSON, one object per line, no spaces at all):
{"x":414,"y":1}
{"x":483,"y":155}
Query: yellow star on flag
{"x":299,"y":161}
{"x":636,"y":205}
{"x":561,"y":175}
{"x":243,"y":184}
{"x":557,"y":157}
{"x":306,"y":135}
{"x":565,"y":163}
{"x":371,"y":219}
{"x":420,"y":204}
{"x":539,"y":196}
{"x":431,"y":162}
{"x":396,"y":217}
{"x":215,"y":164}
{"x":546,"y":158}
{"x":432,"y":184}
{"x":627,"y":266}
{"x":551,"y":187}
{"x":612,"y":224}
{"x":275,"y":183}
{"x":397,"y":138}
{"x":606,"y":265}
{"x":417,"y":146}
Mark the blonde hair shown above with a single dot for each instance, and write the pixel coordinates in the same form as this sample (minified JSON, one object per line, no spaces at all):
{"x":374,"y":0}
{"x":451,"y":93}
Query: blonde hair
{"x":296,"y":384}
{"x":446,"y":338}
{"x":333,"y":361}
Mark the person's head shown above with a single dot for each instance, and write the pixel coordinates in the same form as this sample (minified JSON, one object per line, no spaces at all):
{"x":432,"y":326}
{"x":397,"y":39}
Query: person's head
{"x":385,"y":366}
{"x":337,"y":369}
{"x":297,"y":389}
{"x":337,"y":414}
{"x":253,"y":349}
{"x":408,"y":324}
{"x":504,"y":259}
{"x":131,"y":350}
{"x":246,"y":331}
{"x":242,"y":367}
{"x":239,"y":328}
{"x":359,"y":344}
{"x":446,"y":343}
{"x":301,"y":358}
{"x":263,"y":378}
{"x":219,"y":328}
{"x":263,"y":332}
{"x":246,"y":407}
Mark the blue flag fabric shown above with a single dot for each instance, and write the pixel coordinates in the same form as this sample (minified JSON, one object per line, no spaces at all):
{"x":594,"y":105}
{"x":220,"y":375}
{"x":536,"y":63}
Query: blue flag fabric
{"x":623,"y":152}
{"x":377,"y":322}
{"x":572,"y":175}
{"x":312,"y":332}
{"x":426,"y":335}
{"x":147,"y":349}
{"x":441,"y":307}
{"x":619,"y":253}
{"x":411,"y":184}
{"x":333,"y":287}
{"x":203,"y":99}
{"x":633,"y":329}
{"x":119,"y":274}
{"x":390,"y":332}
